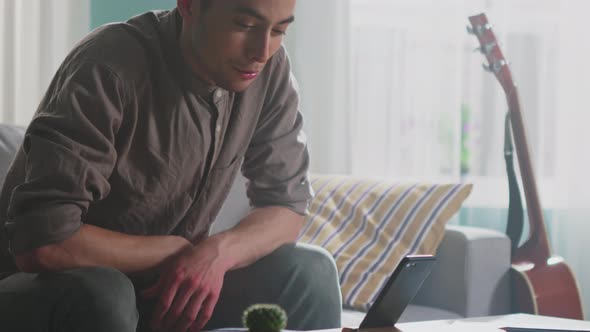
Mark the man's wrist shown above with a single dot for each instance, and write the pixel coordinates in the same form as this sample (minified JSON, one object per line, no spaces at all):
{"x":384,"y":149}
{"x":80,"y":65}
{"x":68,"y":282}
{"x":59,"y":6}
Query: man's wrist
{"x":222,"y":242}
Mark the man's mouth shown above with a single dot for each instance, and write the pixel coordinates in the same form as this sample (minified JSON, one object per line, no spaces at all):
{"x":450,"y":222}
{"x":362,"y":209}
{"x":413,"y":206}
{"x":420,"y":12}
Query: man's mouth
{"x":247,"y":74}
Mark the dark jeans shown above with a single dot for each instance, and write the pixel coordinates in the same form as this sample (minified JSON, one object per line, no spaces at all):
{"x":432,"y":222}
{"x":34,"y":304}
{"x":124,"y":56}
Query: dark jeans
{"x":301,"y":278}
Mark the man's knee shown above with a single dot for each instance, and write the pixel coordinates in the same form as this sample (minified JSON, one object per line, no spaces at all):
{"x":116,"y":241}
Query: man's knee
{"x":311,"y":279}
{"x":302,"y":278}
{"x":290,"y":268}
{"x":311,"y":263}
{"x":103,"y":298}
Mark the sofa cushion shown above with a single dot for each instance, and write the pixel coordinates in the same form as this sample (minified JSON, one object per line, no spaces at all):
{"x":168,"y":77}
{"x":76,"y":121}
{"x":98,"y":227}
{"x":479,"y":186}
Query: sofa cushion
{"x":369,"y":225}
{"x":11,"y":137}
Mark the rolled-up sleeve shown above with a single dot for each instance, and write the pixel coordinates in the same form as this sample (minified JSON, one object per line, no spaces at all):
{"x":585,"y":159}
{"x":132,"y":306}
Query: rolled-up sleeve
{"x":277,"y":160}
{"x":68,"y":155}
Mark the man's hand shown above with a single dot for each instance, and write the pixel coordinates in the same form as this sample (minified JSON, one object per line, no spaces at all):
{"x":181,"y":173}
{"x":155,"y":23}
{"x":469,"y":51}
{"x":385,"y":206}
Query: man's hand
{"x":188,"y":289}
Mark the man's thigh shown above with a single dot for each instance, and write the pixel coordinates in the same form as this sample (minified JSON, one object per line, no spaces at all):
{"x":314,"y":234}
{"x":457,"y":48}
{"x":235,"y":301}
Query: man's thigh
{"x":301,"y":278}
{"x":24,"y":304}
{"x":67,"y":301}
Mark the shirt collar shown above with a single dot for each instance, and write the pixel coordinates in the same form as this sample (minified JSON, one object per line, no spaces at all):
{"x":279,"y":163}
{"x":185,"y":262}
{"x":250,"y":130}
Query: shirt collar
{"x":171,"y":25}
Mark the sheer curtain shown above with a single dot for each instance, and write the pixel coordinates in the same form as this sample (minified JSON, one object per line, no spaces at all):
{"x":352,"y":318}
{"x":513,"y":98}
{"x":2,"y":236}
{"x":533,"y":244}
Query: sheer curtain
{"x":319,"y":50}
{"x":35,"y":36}
{"x":392,"y":88}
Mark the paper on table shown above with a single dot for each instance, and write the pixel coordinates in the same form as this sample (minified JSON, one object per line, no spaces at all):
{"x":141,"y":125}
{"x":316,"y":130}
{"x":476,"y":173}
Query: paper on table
{"x":464,"y":326}
{"x":568,"y":325}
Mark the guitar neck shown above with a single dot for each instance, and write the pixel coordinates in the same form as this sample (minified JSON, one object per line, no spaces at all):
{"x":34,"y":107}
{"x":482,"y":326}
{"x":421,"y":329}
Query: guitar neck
{"x":537,"y":245}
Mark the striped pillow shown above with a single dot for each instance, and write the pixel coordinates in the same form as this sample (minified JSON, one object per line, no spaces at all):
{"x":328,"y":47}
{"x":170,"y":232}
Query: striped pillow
{"x":369,"y":225}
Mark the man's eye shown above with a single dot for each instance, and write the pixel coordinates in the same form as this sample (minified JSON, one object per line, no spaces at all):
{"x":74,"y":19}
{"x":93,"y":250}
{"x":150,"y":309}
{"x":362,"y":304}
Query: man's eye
{"x":245,"y":25}
{"x":279,"y":32}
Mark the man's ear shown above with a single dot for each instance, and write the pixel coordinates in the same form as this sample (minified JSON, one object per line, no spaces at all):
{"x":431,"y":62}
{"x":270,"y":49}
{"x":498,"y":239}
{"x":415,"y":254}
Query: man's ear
{"x":184,"y":7}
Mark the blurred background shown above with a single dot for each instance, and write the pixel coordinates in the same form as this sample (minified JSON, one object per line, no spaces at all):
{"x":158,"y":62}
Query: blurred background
{"x":393,"y":89}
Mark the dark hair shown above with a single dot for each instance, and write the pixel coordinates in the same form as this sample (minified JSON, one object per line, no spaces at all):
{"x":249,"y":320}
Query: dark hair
{"x":204,"y":4}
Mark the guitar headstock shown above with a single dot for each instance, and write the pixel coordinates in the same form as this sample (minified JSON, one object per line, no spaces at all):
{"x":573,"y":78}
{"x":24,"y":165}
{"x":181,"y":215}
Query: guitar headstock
{"x":489,"y":46}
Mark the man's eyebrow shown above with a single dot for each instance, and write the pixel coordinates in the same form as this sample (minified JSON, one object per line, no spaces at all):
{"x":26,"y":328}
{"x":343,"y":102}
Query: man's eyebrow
{"x":254,"y":13}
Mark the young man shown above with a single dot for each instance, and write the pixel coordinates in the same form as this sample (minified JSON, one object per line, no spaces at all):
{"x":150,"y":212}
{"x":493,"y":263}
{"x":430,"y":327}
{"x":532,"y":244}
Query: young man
{"x":129,"y":159}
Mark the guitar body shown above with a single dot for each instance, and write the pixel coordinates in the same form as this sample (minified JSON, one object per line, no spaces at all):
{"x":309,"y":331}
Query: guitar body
{"x":543,"y":289}
{"x":541,"y":283}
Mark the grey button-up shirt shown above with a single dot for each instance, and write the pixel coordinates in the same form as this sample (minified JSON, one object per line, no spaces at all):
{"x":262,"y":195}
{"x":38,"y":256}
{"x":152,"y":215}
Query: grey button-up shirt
{"x":126,"y":138}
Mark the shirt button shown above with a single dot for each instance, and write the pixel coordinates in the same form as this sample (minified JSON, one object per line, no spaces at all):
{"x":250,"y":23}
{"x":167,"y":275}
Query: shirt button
{"x":218,"y":129}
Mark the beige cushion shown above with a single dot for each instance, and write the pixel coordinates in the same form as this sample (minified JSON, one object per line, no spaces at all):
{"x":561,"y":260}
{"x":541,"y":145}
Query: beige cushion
{"x":369,"y":225}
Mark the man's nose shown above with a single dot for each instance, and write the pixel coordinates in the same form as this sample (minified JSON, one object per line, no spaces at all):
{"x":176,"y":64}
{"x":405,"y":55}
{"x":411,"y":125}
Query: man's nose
{"x":260,"y":47}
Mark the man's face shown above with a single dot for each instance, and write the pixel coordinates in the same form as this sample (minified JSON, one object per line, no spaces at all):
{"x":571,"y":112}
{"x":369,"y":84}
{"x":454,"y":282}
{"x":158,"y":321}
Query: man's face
{"x":231,"y":40}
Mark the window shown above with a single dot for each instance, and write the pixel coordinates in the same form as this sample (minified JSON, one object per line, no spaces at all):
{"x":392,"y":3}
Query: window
{"x":423,"y":106}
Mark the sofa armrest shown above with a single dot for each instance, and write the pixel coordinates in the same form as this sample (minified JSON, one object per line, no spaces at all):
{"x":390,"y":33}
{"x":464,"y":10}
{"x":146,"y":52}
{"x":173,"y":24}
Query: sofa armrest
{"x":471,"y":275}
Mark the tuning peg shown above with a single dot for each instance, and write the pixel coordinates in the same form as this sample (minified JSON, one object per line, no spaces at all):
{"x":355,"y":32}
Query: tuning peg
{"x":478,"y":29}
{"x":494,"y":67}
{"x":487,"y":48}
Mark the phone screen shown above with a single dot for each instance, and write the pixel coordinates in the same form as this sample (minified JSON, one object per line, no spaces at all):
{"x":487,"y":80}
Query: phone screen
{"x":398,"y":291}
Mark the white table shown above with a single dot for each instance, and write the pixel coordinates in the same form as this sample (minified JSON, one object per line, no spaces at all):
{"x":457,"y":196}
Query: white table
{"x":480,"y":324}
{"x":492,"y":323}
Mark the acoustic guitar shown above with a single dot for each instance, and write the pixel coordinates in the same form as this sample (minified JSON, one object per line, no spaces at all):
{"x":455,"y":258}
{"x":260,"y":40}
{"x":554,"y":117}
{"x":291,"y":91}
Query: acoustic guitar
{"x":542,"y":283}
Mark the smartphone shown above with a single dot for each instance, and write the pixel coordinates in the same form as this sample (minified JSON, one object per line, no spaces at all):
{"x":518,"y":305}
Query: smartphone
{"x":398,"y":291}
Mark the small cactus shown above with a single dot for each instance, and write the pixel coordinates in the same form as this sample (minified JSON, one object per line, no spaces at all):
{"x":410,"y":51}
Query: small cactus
{"x":264,"y":318}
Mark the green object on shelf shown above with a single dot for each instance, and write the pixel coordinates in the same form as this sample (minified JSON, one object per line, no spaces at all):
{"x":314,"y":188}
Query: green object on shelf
{"x":465,"y":139}
{"x":264,"y":318}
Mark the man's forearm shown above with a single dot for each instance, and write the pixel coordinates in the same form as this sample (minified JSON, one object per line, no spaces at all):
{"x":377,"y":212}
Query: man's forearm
{"x":257,"y":235}
{"x":95,"y":246}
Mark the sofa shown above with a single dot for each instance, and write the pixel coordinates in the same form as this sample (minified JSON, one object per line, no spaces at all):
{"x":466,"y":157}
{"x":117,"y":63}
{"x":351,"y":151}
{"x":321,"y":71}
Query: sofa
{"x":470,"y":278}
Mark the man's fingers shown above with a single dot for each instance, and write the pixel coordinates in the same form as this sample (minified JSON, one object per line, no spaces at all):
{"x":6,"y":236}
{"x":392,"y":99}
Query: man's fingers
{"x":205,"y":313}
{"x":164,"y":302}
{"x":178,"y":307}
{"x":194,"y":307}
{"x":191,"y":311}
{"x":183,"y":324}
